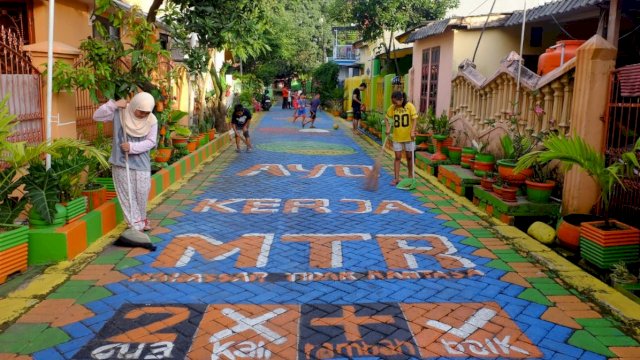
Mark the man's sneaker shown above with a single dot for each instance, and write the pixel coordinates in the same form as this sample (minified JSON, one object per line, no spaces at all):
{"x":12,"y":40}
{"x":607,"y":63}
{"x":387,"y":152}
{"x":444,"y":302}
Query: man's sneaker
{"x":249,"y":149}
{"x":237,"y":150}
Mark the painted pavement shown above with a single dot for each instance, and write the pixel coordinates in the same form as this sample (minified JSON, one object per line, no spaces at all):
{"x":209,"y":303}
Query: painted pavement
{"x":280,"y":254}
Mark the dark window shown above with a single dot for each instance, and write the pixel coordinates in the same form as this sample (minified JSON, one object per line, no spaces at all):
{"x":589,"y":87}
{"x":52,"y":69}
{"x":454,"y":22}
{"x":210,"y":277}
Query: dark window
{"x":536,"y":36}
{"x":164,"y":41}
{"x":111,"y":30}
{"x":429,"y":79}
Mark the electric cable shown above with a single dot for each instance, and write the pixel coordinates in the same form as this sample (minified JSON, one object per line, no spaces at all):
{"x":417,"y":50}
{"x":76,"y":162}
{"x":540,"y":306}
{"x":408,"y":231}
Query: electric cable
{"x":561,"y":28}
{"x":482,"y":32}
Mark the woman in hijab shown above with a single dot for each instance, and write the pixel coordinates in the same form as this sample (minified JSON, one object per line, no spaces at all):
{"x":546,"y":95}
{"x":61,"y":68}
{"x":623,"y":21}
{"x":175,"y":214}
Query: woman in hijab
{"x":135,"y":131}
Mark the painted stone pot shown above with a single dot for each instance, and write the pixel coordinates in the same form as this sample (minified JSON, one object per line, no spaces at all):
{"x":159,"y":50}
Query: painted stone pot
{"x":483,"y":164}
{"x":539,"y":192}
{"x":439,"y":142}
{"x":505,"y":169}
{"x":568,"y":229}
{"x":468,"y":154}
{"x":455,"y":154}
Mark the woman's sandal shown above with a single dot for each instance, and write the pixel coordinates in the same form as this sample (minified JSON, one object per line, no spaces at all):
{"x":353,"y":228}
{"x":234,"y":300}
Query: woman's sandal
{"x":146,"y":227}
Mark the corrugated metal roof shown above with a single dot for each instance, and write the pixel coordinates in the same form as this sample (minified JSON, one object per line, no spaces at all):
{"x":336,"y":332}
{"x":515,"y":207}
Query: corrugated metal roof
{"x":468,"y":22}
{"x":434,"y":28}
{"x":553,"y":8}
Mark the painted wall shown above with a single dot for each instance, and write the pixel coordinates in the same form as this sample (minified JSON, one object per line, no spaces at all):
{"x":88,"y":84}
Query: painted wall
{"x":445,"y":41}
{"x":71,"y":23}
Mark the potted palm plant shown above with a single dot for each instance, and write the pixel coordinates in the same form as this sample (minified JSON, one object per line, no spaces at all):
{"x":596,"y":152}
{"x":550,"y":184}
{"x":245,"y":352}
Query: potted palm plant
{"x":598,"y":239}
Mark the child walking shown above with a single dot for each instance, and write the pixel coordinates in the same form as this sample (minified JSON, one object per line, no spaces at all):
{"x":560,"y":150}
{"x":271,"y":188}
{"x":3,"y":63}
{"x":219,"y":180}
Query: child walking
{"x":315,"y":102}
{"x":404,"y":117}
{"x":301,"y":111}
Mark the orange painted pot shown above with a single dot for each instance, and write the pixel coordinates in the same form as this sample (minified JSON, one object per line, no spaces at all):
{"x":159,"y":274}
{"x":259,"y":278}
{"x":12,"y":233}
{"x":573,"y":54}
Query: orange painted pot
{"x":179,"y":140}
{"x":95,"y":197}
{"x":163,"y":155}
{"x":621,"y":234}
{"x":505,"y":169}
{"x":487,"y":183}
{"x":212,"y":134}
{"x":191,"y":146}
{"x":568,"y":229}
{"x":468,"y":154}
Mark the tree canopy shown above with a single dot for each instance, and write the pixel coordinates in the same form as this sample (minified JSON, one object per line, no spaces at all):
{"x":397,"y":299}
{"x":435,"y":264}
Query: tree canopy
{"x":372,"y":17}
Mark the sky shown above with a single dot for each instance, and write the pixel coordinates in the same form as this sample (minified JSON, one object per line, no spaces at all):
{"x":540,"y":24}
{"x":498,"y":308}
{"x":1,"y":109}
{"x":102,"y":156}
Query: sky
{"x":481,"y":7}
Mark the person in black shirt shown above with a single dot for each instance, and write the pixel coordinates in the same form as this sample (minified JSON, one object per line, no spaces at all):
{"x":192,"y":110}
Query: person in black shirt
{"x":358,"y":106}
{"x":240,"y":122}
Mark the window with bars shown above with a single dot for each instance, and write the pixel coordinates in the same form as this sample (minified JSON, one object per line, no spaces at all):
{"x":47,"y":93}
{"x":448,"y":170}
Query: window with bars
{"x":429,"y":79}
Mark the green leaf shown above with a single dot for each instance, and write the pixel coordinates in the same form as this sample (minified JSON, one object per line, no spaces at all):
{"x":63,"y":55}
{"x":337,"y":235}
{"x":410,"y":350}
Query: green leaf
{"x":42,"y":190}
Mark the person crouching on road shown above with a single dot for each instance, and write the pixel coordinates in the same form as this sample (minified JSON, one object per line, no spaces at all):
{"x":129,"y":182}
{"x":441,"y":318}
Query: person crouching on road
{"x":141,"y":133}
{"x":240,"y":121}
{"x":404,"y":117}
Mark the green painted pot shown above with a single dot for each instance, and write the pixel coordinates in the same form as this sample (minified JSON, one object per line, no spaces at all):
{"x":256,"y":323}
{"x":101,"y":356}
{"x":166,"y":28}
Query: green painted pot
{"x":455,"y":154}
{"x":539,"y":192}
{"x":468,"y":154}
{"x":75,"y":208}
{"x":12,"y":235}
{"x":37,"y":222}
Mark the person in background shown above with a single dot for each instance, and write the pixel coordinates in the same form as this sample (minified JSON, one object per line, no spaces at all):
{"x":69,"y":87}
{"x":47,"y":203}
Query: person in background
{"x":240,"y":121}
{"x":315,"y":103}
{"x":358,"y":106}
{"x":302,"y":110}
{"x":285,"y":97}
{"x":404,"y":117}
{"x":141,"y":133}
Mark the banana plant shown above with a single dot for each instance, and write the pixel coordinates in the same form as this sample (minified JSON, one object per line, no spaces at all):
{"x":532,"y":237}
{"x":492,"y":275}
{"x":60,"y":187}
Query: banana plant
{"x":574,"y":150}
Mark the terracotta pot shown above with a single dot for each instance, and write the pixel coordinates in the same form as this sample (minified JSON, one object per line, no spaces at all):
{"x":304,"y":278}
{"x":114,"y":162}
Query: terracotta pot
{"x":159,"y":106}
{"x":497,"y":189}
{"x":505,"y":169}
{"x":539,"y":192}
{"x":568,"y":229}
{"x":487,"y":183}
{"x":448,"y":142}
{"x":163,"y":154}
{"x":509,"y":194}
{"x":163,"y":130}
{"x":212,"y":134}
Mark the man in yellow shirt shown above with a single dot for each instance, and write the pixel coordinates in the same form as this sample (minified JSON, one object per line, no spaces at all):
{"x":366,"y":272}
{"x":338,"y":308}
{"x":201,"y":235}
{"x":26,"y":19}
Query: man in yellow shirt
{"x":404,"y":117}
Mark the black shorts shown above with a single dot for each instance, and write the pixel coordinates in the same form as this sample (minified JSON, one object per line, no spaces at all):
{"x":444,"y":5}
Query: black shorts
{"x":357,"y":113}
{"x":313,"y":115}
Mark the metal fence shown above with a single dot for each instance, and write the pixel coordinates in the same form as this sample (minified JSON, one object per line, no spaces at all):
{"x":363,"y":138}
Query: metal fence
{"x":21,"y":83}
{"x":622,"y":129}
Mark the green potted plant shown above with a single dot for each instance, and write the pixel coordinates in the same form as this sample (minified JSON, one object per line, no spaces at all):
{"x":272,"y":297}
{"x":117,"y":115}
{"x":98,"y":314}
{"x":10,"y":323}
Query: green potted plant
{"x":63,"y":183}
{"x":423,"y":127}
{"x":483,"y":161}
{"x":540,"y":184}
{"x":620,"y":275}
{"x":441,"y":129}
{"x":514,"y":146}
{"x":598,"y":239}
{"x":180,"y":135}
{"x":488,"y":180}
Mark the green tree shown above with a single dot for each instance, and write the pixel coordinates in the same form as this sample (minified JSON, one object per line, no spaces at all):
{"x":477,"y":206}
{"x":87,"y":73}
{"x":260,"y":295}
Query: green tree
{"x":373,"y":17}
{"x":236,"y":25}
{"x":111,"y":68}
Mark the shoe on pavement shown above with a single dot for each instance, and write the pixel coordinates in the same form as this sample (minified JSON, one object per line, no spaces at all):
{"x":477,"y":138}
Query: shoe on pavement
{"x":237,"y":150}
{"x":249,"y":149}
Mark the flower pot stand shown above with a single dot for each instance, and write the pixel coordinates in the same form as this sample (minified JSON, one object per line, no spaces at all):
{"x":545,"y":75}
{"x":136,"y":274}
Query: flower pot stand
{"x":604,"y":248}
{"x":439,"y":144}
{"x":459,"y":180}
{"x":521,"y":213}
{"x":14,"y":245}
{"x":424,"y":161}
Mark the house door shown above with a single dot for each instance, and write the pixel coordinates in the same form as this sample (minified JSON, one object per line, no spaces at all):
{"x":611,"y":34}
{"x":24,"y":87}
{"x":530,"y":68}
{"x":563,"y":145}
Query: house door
{"x":429,"y":78}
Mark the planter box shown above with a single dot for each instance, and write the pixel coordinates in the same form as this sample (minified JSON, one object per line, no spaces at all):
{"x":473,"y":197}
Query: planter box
{"x":76,"y":208}
{"x":424,"y":162}
{"x":13,"y":250}
{"x":604,"y":248}
{"x":459,"y":180}
{"x":109,"y":185}
{"x":95,"y":197}
{"x":51,"y":245}
{"x":508,"y":212}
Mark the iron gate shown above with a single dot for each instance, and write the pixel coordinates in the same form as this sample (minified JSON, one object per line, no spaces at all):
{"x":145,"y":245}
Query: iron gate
{"x":622,"y":129}
{"x":21,"y":83}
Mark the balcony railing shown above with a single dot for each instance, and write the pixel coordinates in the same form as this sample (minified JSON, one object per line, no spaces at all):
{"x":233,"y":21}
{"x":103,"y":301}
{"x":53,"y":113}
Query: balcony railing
{"x":345,"y":52}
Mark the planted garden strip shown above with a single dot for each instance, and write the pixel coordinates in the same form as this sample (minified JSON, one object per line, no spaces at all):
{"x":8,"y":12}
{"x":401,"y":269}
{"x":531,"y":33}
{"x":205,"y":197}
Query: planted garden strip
{"x":53,"y":244}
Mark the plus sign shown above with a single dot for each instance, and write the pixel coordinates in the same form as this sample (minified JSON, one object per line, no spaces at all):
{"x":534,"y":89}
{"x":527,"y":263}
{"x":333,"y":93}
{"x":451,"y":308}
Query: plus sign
{"x":350,"y":322}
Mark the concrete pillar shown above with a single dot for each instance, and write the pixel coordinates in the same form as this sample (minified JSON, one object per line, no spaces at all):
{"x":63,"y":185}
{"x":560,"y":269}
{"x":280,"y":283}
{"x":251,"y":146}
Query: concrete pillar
{"x":595,"y":60}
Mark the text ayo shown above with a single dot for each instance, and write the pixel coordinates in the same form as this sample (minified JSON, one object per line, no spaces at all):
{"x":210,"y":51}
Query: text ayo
{"x":400,"y":251}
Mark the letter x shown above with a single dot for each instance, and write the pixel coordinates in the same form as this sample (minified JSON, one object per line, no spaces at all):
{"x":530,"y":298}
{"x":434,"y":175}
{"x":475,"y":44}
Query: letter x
{"x":245,"y":323}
